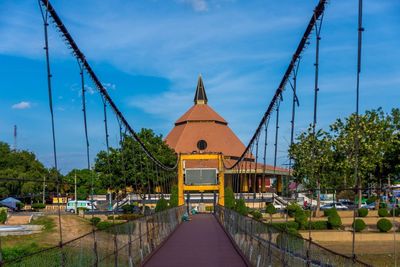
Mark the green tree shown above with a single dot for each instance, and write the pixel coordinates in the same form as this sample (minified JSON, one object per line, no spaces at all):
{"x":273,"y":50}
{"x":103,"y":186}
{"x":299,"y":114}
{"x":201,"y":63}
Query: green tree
{"x":374,"y":136}
{"x":313,"y":160}
{"x":130,"y":166}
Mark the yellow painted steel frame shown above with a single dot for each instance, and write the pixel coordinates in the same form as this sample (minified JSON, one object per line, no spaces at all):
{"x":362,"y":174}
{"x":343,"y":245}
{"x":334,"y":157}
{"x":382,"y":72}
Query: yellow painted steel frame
{"x":220,"y":186}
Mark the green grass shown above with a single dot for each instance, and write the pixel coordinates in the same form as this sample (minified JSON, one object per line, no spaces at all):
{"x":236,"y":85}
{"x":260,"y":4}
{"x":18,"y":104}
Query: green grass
{"x":47,"y":222}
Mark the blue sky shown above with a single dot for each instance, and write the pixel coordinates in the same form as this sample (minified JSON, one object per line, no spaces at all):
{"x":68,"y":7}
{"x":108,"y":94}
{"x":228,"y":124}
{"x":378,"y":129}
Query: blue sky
{"x":149,"y":54}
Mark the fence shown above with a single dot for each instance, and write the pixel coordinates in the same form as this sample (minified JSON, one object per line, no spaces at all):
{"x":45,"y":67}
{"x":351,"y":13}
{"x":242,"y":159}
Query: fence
{"x":124,"y":244}
{"x":264,"y":245}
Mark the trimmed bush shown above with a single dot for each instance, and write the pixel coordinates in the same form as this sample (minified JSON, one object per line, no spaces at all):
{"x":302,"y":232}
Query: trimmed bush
{"x":229,"y":198}
{"x":292,"y":208}
{"x":290,"y":240}
{"x":362,"y":212}
{"x":384,"y":225}
{"x":382,"y":205}
{"x":95,"y":220}
{"x":383,"y":212}
{"x":301,"y":219}
{"x":319,"y":225}
{"x":38,"y":206}
{"x":241,"y":208}
{"x":359,"y":225}
{"x":334,"y":221}
{"x":162,"y":204}
{"x":104,"y":225}
{"x":256,"y":215}
{"x":270,"y":209}
{"x":110,"y":217}
{"x":330,"y":211}
{"x":283,"y":226}
{"x":3,"y":216}
{"x":173,"y":201}
{"x":395,"y":212}
{"x":210,"y":208}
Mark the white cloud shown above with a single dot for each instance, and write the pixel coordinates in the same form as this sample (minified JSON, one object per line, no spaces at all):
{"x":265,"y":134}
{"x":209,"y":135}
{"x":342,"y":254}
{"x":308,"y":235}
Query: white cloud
{"x":22,"y":105}
{"x":197,"y":5}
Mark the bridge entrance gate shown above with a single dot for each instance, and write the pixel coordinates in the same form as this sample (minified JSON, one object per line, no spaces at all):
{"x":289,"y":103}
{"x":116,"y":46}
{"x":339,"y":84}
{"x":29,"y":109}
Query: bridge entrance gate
{"x":201,"y":180}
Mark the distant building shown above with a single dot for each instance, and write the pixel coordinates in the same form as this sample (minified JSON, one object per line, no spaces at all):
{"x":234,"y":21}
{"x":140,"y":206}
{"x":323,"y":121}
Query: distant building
{"x":202,"y":130}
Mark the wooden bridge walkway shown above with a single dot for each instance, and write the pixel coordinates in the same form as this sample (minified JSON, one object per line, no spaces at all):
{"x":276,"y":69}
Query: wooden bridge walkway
{"x":199,"y":242}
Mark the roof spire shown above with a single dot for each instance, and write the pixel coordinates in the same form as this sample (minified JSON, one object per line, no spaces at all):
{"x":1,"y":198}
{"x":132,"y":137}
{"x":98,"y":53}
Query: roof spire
{"x":200,"y":96}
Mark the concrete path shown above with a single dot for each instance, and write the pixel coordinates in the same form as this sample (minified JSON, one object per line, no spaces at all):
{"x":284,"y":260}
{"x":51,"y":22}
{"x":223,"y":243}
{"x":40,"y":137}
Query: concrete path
{"x":199,"y":242}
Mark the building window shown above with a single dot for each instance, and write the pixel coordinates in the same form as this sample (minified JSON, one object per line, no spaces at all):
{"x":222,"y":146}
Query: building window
{"x":202,"y":144}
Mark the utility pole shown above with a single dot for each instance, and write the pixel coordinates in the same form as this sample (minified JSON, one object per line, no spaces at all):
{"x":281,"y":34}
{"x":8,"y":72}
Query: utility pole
{"x":76,"y":199}
{"x":15,"y":137}
{"x":44,"y":189}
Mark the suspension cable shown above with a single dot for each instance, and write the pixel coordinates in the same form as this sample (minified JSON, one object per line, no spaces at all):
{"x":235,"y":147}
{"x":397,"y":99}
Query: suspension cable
{"x":83,"y":91}
{"x":103,"y":91}
{"x":45,"y":17}
{"x":318,"y":11}
{"x":357,"y":126}
{"x":276,"y":139}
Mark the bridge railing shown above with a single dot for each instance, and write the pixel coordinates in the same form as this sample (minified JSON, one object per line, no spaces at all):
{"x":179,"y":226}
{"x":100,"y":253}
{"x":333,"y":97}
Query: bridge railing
{"x":264,"y":245}
{"x":125,"y":244}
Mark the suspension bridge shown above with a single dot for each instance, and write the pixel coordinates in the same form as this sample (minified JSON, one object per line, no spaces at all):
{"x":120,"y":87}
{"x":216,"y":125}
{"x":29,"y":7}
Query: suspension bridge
{"x":198,"y":175}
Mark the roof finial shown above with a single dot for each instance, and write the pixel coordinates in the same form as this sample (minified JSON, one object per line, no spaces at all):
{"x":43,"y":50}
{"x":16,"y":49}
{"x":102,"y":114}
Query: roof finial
{"x":200,"y":96}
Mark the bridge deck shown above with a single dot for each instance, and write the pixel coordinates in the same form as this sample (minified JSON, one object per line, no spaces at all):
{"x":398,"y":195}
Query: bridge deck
{"x":199,"y":242}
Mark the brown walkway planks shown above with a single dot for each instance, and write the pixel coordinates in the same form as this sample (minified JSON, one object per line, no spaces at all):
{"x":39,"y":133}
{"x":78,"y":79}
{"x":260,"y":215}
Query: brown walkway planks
{"x":199,"y":242}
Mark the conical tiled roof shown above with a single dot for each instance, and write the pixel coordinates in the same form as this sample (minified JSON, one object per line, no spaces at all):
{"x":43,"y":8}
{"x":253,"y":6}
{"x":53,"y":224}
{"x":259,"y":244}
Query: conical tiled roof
{"x":201,"y":122}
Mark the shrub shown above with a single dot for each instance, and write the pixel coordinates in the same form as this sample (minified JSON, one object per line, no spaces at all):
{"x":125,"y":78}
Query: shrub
{"x":283,"y":226}
{"x":319,"y":225}
{"x":104,"y":225}
{"x":162,"y":204}
{"x":270,"y":209}
{"x":290,"y":240}
{"x":173,"y":201}
{"x":359,"y":225}
{"x":3,"y":216}
{"x":383,"y":212}
{"x":241,"y":208}
{"x":38,"y":206}
{"x":362,"y":212}
{"x":95,"y":220}
{"x":20,"y":205}
{"x":110,"y":217}
{"x":395,"y":212}
{"x":127,"y":208}
{"x":301,"y":219}
{"x":20,"y":250}
{"x":384,"y":225}
{"x":229,"y":198}
{"x":334,"y":221}
{"x":47,"y":222}
{"x":209,"y":208}
{"x":292,"y":208}
{"x":330,"y":211}
{"x":382,"y":205}
{"x":257,"y":215}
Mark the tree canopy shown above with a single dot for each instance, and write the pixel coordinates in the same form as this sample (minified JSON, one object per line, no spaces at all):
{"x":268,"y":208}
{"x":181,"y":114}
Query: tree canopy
{"x":329,"y":157}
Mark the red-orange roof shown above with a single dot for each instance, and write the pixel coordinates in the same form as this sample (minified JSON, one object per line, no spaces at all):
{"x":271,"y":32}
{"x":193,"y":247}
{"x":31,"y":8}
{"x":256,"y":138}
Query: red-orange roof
{"x":200,"y":112}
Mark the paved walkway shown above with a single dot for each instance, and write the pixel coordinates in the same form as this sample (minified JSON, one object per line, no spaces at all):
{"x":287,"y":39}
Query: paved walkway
{"x":199,"y":242}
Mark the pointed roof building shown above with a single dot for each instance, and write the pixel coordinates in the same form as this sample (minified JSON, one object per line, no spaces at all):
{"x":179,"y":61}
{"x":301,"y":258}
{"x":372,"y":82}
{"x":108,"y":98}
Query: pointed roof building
{"x":201,"y":130}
